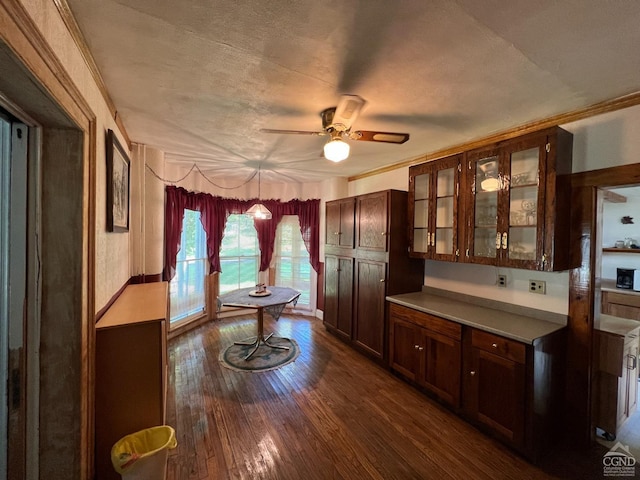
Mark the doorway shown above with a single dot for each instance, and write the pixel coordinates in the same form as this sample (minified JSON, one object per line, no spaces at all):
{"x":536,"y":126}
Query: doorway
{"x":584,"y":295}
{"x":13,"y":268}
{"x":617,"y":251}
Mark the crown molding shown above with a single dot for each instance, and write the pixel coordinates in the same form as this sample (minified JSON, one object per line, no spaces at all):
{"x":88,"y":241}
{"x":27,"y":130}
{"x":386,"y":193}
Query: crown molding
{"x":563,"y":118}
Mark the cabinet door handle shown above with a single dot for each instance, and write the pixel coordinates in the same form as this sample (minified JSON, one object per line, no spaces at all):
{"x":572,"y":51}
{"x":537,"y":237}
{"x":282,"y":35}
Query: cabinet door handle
{"x":472,"y":373}
{"x":383,"y":233}
{"x":494,"y":345}
{"x":634,"y":361}
{"x":416,"y":347}
{"x":498,"y":241}
{"x":504,"y":241}
{"x":433,"y":239}
{"x":382,"y":280}
{"x":420,"y":349}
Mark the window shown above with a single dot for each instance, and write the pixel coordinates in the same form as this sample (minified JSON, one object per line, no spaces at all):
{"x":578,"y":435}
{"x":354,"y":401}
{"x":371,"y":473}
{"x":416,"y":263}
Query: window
{"x":291,"y":259}
{"x":187,"y":289}
{"x":239,"y":254}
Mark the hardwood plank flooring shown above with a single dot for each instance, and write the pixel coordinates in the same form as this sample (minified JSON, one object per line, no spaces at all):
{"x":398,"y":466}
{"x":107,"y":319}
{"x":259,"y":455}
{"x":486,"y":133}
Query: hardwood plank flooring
{"x":332,"y":414}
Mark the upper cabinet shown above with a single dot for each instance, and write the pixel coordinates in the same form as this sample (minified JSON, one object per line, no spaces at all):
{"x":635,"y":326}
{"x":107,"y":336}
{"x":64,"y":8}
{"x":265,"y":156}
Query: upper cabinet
{"x":340,"y":223}
{"x":433,"y":209}
{"x":514,"y":198}
{"x":372,"y":221}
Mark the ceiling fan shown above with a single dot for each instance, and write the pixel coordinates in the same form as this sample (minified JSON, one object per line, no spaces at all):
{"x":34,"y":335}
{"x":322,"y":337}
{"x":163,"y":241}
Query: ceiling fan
{"x":337,"y":122}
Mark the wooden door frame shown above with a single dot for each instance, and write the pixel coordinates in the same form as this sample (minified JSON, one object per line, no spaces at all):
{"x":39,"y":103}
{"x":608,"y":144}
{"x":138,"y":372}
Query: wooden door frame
{"x":62,"y":317}
{"x":583,"y":292}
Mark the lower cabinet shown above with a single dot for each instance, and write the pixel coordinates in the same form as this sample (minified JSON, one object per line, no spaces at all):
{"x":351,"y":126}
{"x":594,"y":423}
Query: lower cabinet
{"x":338,"y":294}
{"x":369,"y":324}
{"x":509,"y":389}
{"x":495,"y":393}
{"x":426,"y":350}
{"x":616,"y":379}
{"x":624,"y":305}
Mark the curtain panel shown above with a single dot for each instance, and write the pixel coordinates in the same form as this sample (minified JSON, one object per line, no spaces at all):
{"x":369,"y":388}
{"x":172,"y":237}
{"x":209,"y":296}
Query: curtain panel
{"x":214,"y":211}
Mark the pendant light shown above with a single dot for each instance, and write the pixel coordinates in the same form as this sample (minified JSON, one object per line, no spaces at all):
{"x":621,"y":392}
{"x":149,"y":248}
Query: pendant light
{"x":258,"y":211}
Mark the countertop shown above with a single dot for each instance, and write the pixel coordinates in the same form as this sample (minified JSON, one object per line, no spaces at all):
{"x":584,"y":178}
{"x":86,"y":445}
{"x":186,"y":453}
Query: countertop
{"x":615,"y":325}
{"x":515,"y":326}
{"x":610,"y":286}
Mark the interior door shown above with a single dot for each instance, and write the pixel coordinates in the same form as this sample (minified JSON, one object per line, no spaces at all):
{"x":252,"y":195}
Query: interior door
{"x":13,"y":236}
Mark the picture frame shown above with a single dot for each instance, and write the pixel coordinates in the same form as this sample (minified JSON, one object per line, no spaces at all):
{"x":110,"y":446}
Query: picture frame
{"x":118,"y":181}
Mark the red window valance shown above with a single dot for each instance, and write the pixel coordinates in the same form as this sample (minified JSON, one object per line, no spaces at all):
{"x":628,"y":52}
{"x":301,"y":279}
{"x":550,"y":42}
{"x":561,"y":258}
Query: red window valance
{"x":214,"y":211}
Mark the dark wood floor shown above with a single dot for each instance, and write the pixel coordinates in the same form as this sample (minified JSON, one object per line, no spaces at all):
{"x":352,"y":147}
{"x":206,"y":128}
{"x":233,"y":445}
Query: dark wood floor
{"x":332,"y":414}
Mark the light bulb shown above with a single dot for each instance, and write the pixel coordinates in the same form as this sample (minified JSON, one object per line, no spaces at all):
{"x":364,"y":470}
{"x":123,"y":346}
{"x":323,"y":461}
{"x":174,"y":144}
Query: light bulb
{"x":336,"y":150}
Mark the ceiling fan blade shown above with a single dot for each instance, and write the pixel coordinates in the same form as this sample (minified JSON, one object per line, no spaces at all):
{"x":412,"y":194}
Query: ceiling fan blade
{"x":295,"y":132}
{"x":347,"y":111}
{"x":386,"y":137}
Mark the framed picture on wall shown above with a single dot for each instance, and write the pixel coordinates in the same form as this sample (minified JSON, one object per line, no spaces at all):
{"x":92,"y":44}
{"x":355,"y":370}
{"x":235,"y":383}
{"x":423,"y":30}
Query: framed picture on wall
{"x":118,"y":172}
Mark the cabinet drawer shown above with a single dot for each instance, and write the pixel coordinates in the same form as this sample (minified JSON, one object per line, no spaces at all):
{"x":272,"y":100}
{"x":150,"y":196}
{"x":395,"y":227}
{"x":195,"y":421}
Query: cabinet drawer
{"x":498,"y":345}
{"x":431,"y":322}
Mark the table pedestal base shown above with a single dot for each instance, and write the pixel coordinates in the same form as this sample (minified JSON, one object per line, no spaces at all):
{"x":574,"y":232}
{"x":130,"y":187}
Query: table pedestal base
{"x":260,"y":340}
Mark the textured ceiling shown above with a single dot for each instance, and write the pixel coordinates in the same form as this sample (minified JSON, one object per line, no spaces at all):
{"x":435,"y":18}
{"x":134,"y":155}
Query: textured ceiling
{"x":199,"y":78}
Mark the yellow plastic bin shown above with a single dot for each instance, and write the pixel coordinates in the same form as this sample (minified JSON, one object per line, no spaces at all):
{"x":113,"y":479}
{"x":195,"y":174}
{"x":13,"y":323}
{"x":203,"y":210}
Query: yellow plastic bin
{"x":143,"y":455}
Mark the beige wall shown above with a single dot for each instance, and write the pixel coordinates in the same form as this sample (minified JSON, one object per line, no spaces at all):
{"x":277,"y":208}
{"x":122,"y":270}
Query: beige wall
{"x":113,"y":261}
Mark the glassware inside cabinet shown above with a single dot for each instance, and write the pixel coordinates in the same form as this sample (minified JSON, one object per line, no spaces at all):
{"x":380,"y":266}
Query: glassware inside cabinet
{"x":486,"y":187}
{"x":524,"y":167}
{"x":523,"y":207}
{"x":522,"y":243}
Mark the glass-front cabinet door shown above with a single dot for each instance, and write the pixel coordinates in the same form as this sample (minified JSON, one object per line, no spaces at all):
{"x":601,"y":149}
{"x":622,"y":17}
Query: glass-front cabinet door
{"x":433,"y":209}
{"x":522,"y":237}
{"x":446,"y":180}
{"x":484,"y":185}
{"x":421,"y":234}
{"x":505,"y":188}
{"x":513,"y":204}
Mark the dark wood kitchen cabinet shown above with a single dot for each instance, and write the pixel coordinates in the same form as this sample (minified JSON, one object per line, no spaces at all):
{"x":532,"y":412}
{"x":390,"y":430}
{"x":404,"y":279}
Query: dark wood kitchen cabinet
{"x":496,"y":385}
{"x":433,"y":209}
{"x":517,"y":200}
{"x":338,"y":294}
{"x":369,"y":314}
{"x":514,"y":390}
{"x":340,"y":223}
{"x":427,"y":351}
{"x":511,"y":204}
{"x":509,"y":389}
{"x":380,"y":266}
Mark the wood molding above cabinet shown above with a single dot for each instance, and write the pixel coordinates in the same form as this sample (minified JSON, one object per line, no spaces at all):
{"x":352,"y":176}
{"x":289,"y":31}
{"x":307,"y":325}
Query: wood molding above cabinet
{"x":514,"y":197}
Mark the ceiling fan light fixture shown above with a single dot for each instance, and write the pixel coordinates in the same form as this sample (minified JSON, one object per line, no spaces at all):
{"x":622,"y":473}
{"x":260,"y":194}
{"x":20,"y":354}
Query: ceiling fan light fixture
{"x":336,"y":150}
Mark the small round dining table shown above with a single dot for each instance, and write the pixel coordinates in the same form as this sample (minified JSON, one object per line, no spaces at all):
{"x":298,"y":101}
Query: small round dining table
{"x":273,"y":301}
